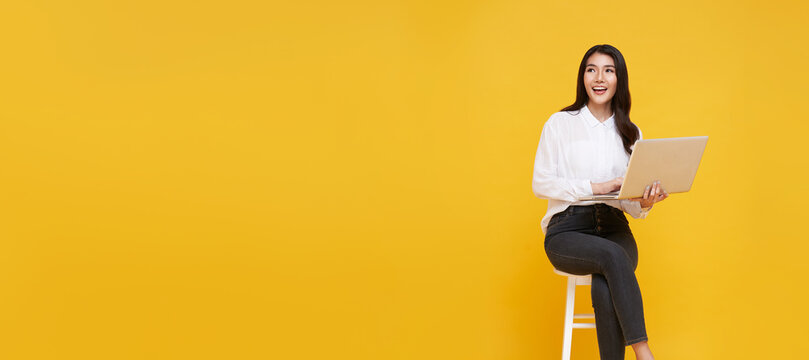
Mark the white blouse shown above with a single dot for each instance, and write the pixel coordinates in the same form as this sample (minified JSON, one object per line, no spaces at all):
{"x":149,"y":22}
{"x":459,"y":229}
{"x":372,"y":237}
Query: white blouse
{"x":575,"y":149}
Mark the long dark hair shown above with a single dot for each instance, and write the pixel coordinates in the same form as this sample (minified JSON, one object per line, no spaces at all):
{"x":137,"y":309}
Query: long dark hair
{"x":621,"y":101}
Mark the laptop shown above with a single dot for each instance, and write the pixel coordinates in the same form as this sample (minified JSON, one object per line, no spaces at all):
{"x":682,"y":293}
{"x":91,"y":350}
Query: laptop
{"x":673,"y":161}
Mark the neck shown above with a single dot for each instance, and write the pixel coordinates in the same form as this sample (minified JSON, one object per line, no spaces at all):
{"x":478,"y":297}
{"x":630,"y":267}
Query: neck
{"x":601,"y":112}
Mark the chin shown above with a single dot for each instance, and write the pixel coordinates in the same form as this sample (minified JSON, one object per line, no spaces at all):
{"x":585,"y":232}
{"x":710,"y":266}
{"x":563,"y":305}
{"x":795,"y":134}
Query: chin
{"x":600,"y":100}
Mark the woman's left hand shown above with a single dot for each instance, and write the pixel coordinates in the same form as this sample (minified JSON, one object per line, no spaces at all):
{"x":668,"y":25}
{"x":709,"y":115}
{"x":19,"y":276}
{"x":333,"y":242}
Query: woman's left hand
{"x":654,"y":194}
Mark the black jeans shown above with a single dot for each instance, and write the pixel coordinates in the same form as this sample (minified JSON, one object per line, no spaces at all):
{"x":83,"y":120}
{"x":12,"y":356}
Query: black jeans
{"x":596,"y":240}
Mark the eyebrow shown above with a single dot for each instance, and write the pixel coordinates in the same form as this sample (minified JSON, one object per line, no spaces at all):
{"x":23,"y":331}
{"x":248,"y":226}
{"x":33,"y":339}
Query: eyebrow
{"x":604,"y":65}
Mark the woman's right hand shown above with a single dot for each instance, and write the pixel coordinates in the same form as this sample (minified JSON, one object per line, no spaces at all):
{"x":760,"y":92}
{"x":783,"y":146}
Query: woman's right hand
{"x":607,"y":187}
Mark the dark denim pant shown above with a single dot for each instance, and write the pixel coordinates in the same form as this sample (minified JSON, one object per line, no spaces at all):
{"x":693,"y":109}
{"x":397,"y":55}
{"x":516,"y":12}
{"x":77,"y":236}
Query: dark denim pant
{"x":596,"y":240}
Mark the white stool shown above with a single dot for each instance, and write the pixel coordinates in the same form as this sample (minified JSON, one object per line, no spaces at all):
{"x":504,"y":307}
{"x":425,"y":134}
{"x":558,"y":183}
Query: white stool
{"x":572,"y":281}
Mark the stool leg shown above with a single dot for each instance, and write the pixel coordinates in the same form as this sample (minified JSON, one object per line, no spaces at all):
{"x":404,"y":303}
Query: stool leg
{"x":571,"y":301}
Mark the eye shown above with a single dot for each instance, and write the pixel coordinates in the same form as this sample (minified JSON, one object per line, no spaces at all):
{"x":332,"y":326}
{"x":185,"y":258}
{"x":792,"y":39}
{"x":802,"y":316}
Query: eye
{"x":610,"y":70}
{"x":590,"y":70}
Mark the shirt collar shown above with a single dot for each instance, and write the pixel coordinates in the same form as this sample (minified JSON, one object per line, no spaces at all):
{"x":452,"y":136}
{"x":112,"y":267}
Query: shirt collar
{"x":593,"y":122}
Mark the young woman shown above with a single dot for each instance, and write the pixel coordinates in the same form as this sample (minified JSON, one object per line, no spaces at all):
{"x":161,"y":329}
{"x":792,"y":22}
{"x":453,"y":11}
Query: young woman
{"x":584,"y":150}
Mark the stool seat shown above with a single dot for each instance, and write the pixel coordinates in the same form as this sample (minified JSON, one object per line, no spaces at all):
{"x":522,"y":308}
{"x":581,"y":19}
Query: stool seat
{"x":580,"y":279}
{"x":573,"y":281}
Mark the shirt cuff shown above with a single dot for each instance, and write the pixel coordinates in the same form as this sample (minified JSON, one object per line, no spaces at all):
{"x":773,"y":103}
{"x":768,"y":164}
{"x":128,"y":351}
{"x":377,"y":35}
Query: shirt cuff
{"x":633,"y":208}
{"x":582,"y":189}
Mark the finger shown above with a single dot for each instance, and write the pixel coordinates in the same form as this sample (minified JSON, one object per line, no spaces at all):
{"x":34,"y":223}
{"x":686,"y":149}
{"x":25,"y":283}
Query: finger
{"x":646,"y":193}
{"x":654,"y":191}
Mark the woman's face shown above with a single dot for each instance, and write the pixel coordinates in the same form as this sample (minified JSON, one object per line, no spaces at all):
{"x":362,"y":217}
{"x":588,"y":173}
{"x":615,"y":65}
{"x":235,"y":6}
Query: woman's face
{"x":599,"y":78}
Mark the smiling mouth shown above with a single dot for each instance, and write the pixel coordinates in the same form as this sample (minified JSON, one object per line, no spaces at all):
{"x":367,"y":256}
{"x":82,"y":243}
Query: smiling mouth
{"x":599,"y":90}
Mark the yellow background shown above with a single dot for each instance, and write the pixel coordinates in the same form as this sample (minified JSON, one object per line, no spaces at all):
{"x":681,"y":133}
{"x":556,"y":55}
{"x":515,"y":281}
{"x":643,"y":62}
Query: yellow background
{"x":351,"y":180}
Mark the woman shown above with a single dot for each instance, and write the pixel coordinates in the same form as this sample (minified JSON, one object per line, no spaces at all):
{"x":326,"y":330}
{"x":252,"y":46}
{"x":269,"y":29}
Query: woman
{"x":584,"y":150}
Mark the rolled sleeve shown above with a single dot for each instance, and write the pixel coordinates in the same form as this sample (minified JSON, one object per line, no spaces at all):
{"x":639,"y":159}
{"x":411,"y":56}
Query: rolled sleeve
{"x":633,"y":209}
